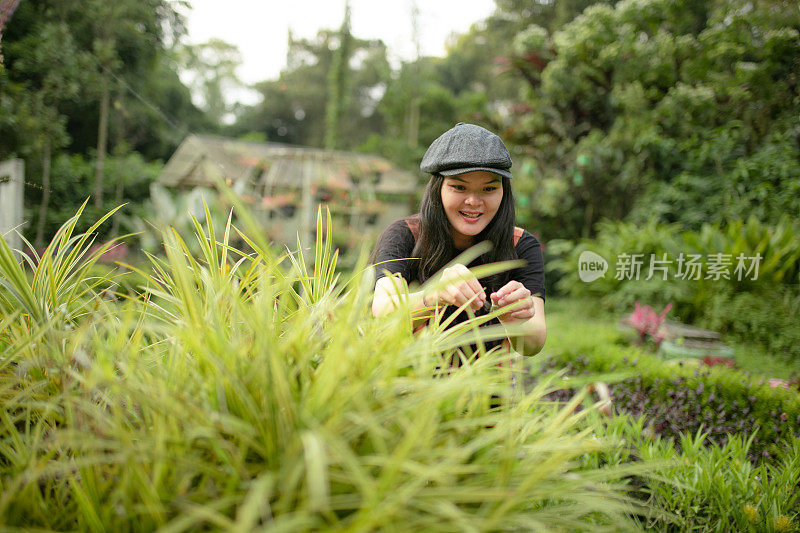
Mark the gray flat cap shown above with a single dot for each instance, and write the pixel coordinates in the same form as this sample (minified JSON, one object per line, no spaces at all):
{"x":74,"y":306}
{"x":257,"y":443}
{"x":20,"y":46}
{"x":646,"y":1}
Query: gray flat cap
{"x":464,"y":148}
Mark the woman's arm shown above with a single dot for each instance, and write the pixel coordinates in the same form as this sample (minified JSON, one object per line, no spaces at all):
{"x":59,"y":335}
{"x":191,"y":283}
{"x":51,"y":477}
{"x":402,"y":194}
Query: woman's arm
{"x":458,"y":286}
{"x":535,"y":329}
{"x":390,"y":292}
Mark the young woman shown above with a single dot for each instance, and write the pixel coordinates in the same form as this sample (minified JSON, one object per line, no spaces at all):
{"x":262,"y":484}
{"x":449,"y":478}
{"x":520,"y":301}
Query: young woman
{"x":468,"y":200}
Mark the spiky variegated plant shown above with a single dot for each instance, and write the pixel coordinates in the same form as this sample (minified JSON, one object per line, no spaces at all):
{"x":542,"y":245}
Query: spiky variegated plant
{"x":241,"y":390}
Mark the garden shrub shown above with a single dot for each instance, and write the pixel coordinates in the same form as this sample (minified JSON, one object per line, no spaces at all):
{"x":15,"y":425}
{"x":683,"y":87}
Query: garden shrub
{"x":719,"y":490}
{"x":760,"y":309}
{"x":681,"y":110}
{"x":769,"y":316}
{"x":240,"y":391}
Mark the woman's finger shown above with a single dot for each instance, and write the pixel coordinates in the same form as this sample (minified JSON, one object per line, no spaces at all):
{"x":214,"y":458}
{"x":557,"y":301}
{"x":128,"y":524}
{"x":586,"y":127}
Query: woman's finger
{"x":520,"y":293}
{"x":523,"y":314}
{"x":472,"y":287}
{"x":475,"y":288}
{"x":467,"y":284}
{"x":507,"y":289}
{"x":455,"y":296}
{"x":467,"y":292}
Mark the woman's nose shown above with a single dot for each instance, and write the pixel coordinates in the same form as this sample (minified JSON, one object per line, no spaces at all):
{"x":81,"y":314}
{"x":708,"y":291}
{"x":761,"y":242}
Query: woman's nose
{"x":472,"y":199}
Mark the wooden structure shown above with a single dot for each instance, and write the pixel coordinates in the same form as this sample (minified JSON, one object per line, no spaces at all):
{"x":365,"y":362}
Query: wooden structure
{"x":284,"y":184}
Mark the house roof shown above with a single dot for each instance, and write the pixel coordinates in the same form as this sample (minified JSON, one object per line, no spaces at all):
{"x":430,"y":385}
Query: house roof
{"x":261,"y":168}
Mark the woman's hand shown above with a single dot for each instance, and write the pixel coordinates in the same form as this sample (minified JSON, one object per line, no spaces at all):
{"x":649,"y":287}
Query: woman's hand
{"x":459,"y":287}
{"x":511,"y":293}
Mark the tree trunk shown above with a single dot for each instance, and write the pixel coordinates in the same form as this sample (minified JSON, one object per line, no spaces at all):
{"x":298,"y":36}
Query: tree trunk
{"x":39,"y":242}
{"x":102,"y":141}
{"x":412,"y":115}
{"x":413,"y":122}
{"x":336,"y":106}
{"x":120,"y":148}
{"x":588,"y":220}
{"x":117,"y":201}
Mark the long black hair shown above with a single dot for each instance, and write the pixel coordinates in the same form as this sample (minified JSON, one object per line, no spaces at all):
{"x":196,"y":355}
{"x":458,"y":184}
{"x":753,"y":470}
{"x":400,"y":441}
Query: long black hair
{"x":435,"y":247}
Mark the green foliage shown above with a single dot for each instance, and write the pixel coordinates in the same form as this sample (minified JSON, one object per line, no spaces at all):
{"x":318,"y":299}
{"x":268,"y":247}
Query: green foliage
{"x":72,"y":179}
{"x":680,"y":110}
{"x":550,"y":15}
{"x":129,"y":38}
{"x":241,"y":390}
{"x":440,"y":107}
{"x":713,"y":488}
{"x":338,"y":83}
{"x":62,"y":60}
{"x":719,"y":399}
{"x":293,"y":107}
{"x":212,"y":66}
{"x":166,"y":209}
{"x":61,"y":289}
{"x":765,"y":316}
{"x":708,"y":483}
{"x":759,"y":309}
{"x":719,"y":490}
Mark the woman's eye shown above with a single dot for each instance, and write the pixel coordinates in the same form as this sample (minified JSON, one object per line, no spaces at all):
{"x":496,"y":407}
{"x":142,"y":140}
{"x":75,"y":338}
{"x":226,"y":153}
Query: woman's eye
{"x":490,"y":189}
{"x":458,"y":187}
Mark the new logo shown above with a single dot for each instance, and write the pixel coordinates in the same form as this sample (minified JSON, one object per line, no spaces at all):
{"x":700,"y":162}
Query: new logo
{"x":591,"y":266}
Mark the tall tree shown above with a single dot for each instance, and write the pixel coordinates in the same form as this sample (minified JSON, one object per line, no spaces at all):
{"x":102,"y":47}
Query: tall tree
{"x":7,"y":8}
{"x":53,"y":68}
{"x":50,"y":102}
{"x":211,"y":67}
{"x":412,"y":120}
{"x":293,"y":108}
{"x":684,"y":111}
{"x":338,"y":83}
{"x":129,"y":40}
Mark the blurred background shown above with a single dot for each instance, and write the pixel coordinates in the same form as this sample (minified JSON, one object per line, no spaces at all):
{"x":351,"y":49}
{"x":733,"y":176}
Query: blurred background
{"x":635,"y":127}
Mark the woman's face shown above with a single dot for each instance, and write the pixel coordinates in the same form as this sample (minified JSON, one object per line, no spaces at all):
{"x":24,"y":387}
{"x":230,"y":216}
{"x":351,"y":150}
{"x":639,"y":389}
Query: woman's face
{"x":470,"y":202}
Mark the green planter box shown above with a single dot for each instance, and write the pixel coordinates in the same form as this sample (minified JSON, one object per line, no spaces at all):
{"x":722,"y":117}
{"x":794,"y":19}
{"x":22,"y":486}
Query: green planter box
{"x":678,"y":350}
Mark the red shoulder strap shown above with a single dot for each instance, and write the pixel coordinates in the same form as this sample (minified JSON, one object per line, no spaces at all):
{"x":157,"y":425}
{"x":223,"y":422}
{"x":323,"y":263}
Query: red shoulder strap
{"x":517,"y":234}
{"x":413,"y":224}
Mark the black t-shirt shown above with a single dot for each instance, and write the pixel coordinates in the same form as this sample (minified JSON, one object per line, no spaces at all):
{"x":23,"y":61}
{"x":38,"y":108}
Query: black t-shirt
{"x":396,"y":245}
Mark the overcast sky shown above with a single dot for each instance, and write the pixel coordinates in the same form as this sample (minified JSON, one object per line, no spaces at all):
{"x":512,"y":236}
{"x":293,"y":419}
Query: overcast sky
{"x":259,"y":28}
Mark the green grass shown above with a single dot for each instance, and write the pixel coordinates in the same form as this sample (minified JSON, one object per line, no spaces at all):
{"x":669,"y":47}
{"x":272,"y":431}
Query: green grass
{"x":571,"y":322}
{"x":756,"y":360}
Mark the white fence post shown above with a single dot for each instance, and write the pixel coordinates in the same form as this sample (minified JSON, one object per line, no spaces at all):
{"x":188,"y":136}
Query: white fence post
{"x":12,"y":183}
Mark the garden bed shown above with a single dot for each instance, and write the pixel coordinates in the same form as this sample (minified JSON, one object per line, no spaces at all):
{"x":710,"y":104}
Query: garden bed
{"x":677,"y":396}
{"x":677,"y":400}
{"x":728,"y":438}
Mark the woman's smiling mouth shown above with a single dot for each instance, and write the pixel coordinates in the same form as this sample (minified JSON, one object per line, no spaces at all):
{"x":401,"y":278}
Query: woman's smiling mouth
{"x":470,"y":216}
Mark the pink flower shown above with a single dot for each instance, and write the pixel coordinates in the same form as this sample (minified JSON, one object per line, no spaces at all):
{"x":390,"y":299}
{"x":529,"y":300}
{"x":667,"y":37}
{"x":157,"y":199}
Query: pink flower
{"x":774,"y":383}
{"x":647,"y":322}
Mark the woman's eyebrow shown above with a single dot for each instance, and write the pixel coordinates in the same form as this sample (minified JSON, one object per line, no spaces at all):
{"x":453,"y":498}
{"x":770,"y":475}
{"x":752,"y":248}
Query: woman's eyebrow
{"x":462,"y":180}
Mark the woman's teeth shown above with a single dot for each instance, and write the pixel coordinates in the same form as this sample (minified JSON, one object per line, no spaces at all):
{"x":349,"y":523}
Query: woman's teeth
{"x":470,"y":215}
